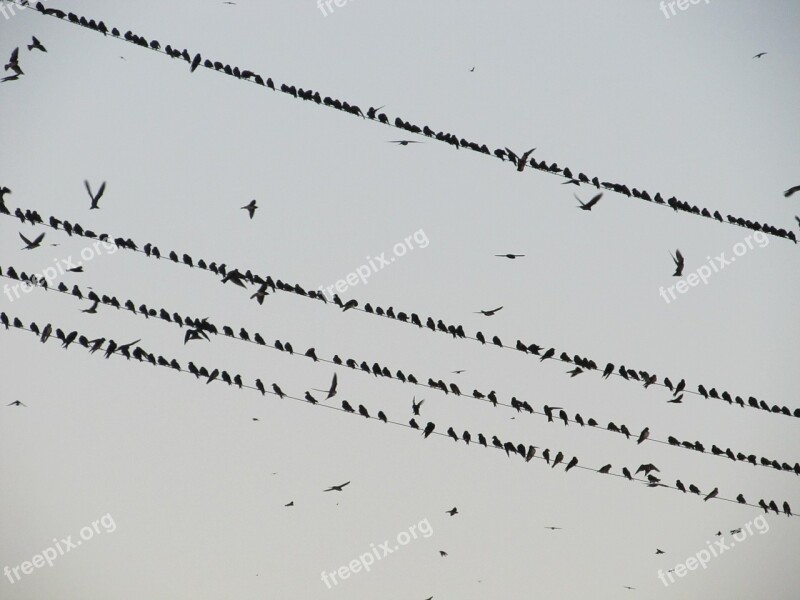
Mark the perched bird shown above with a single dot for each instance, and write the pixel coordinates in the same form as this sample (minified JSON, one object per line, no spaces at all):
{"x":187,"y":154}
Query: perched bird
{"x":588,"y":205}
{"x":428,"y":429}
{"x":337,"y":488}
{"x":250,"y":208}
{"x":678,"y":260}
{"x":572,"y":463}
{"x":309,"y":398}
{"x":36,"y":45}
{"x":605,"y":469}
{"x":95,"y":197}
{"x":712,"y":494}
{"x":644,"y":435}
{"x":489,"y":313}
{"x":523,"y":160}
{"x":511,"y":256}
{"x":559,"y":457}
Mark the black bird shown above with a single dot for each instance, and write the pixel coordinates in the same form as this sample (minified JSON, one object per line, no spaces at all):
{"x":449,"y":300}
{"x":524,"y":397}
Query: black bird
{"x":572,"y":463}
{"x":403,"y":142}
{"x":428,"y":429}
{"x":250,"y":208}
{"x":17,"y":403}
{"x":382,"y":416}
{"x":549,"y":354}
{"x":759,"y":55}
{"x":605,"y":469}
{"x":588,"y":205}
{"x":466,"y":437}
{"x":337,"y":488}
{"x":363,"y":411}
{"x":451,"y":432}
{"x":546,"y":455}
{"x":489,"y":313}
{"x":92,"y":309}
{"x":36,"y":45}
{"x":346,"y":406}
{"x":415,"y":406}
{"x":32,"y":245}
{"x":511,"y":256}
{"x":559,"y":457}
{"x":627,"y":473}
{"x":482,"y":440}
{"x":712,"y":494}
{"x":678,"y":260}
{"x":309,"y":398}
{"x":195,"y":62}
{"x":523,"y":160}
{"x":792,"y":190}
{"x":452,"y":512}
{"x":95,"y":197}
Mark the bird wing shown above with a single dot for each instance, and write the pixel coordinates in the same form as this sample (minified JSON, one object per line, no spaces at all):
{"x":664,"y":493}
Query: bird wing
{"x":594,"y":200}
{"x":88,"y":189}
{"x":791,"y":191}
{"x":26,"y":240}
{"x":100,"y":192}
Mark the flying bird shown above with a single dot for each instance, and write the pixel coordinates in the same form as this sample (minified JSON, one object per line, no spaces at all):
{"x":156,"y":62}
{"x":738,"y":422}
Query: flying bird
{"x":250,"y":208}
{"x":678,"y":260}
{"x":17,"y":403}
{"x":551,"y":528}
{"x":489,"y":313}
{"x":415,"y":406}
{"x":92,"y":309}
{"x":791,"y":190}
{"x":659,"y":551}
{"x":337,"y":488}
{"x":403,"y":142}
{"x":95,"y":197}
{"x":36,"y":45}
{"x":442,"y":553}
{"x":452,"y":512}
{"x":511,"y":256}
{"x":32,"y":244}
{"x":588,"y":205}
{"x":523,"y":160}
{"x":759,"y":55}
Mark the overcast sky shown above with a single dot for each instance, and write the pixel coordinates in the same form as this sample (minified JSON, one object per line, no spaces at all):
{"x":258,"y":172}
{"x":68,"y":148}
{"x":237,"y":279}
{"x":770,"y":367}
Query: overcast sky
{"x":196,"y":488}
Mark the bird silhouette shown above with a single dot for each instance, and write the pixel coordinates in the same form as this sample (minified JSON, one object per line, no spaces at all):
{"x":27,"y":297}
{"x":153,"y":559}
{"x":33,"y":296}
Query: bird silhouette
{"x":337,"y":488}
{"x":523,"y":160}
{"x":452,"y":512}
{"x":559,"y":457}
{"x":552,"y":528}
{"x":712,"y":494}
{"x":643,"y":435}
{"x":511,"y":256}
{"x":36,"y":45}
{"x":759,"y":55}
{"x":428,"y":429}
{"x":403,"y":142}
{"x":588,"y":205}
{"x":489,"y":313}
{"x":792,"y":190}
{"x":659,"y":551}
{"x":92,"y":309}
{"x":17,"y":403}
{"x":250,"y":208}
{"x":678,"y":260}
{"x":32,"y":245}
{"x":95,"y":197}
{"x":415,"y":406}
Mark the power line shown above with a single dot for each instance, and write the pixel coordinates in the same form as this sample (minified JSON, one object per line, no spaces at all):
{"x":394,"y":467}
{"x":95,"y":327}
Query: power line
{"x":588,"y":365}
{"x":230,"y":332}
{"x":500,"y":153}
{"x":140,"y":354}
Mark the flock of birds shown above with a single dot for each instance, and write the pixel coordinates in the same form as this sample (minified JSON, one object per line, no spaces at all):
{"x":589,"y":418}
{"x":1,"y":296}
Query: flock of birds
{"x":201,"y":329}
{"x":572,"y":176}
{"x":267,"y":284}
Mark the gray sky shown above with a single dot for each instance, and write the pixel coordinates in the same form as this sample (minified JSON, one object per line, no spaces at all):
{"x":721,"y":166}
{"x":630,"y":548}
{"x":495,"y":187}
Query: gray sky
{"x":615,"y":89}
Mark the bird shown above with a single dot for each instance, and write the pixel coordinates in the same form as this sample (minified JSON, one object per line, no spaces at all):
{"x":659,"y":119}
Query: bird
{"x":588,"y":205}
{"x":559,"y":457}
{"x":290,"y":503}
{"x":572,"y":463}
{"x":95,"y":197}
{"x":458,"y":372}
{"x":92,"y":309}
{"x":627,"y":587}
{"x":791,"y":190}
{"x":644,"y":435}
{"x":250,"y":208}
{"x":17,"y":403}
{"x":309,"y":398}
{"x":659,"y":551}
{"x":489,"y":313}
{"x":428,"y":429}
{"x":511,"y":256}
{"x":605,"y":469}
{"x":452,"y":512}
{"x":442,"y":553}
{"x":712,"y":494}
{"x":523,"y":160}
{"x":332,"y":389}
{"x":13,"y":62}
{"x":337,"y":488}
{"x":403,"y":142}
{"x":551,"y":528}
{"x":31,"y":245}
{"x":416,"y":405}
{"x":678,"y":260}
{"x":759,"y":55}
{"x":36,"y":45}
{"x":472,"y":70}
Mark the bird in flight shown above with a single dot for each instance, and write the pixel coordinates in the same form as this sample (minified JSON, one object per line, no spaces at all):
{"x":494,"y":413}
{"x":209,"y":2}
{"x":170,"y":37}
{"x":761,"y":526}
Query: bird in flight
{"x":472,"y":70}
{"x":442,"y":553}
{"x":32,"y":244}
{"x":511,"y":256}
{"x":759,"y":55}
{"x":13,"y":77}
{"x":459,"y":372}
{"x":403,"y":142}
{"x":95,"y":198}
{"x":791,"y":190}
{"x":250,"y":208}
{"x":659,"y":551}
{"x":489,"y":313}
{"x":678,"y":260}
{"x":588,"y":205}
{"x":13,"y":62}
{"x":523,"y":160}
{"x":92,"y":309}
{"x":452,"y":512}
{"x":336,"y":488}
{"x":36,"y":45}
{"x":17,"y":403}
{"x":553,"y":528}
{"x":415,"y":406}
{"x":627,"y":587}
